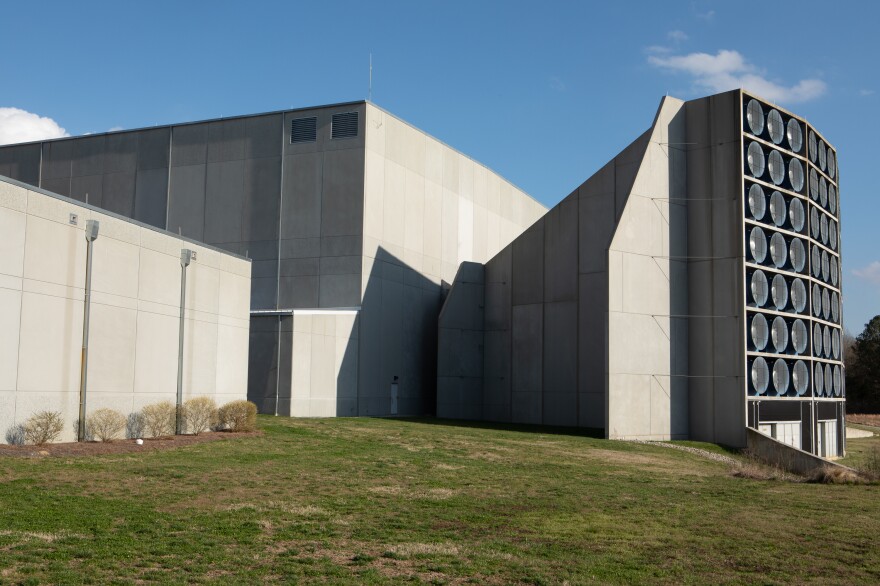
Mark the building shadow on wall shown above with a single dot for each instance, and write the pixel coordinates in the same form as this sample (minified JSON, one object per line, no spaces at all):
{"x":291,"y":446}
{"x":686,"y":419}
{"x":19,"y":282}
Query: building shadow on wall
{"x":396,"y":342}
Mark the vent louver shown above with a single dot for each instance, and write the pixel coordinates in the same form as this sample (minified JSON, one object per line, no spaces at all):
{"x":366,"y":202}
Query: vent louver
{"x":303,"y":130}
{"x":344,"y":125}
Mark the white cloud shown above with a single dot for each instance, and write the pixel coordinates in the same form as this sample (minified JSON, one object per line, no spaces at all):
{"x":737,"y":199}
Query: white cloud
{"x":115,"y":129}
{"x":866,"y":92}
{"x":677,"y":36}
{"x":870,"y":273}
{"x":18,"y":125}
{"x":729,"y":70}
{"x":657,"y":50}
{"x":707,"y":15}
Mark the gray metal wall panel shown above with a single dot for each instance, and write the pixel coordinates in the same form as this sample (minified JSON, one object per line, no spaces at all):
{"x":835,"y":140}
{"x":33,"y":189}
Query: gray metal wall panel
{"x":57,"y":157}
{"x":153,"y":148}
{"x":88,"y":189}
{"x":224,"y":189}
{"x":61,"y":186}
{"x":226,"y":140}
{"x":151,"y":192}
{"x":301,"y":213}
{"x":120,"y":152}
{"x":342,"y":205}
{"x":263,"y":136}
{"x":21,"y":162}
{"x":186,"y":205}
{"x":88,"y":156}
{"x":262,"y":184}
{"x":189,"y":145}
{"x":117,"y":193}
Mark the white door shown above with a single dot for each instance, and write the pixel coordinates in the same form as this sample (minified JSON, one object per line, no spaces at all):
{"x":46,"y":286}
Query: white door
{"x":828,"y":439}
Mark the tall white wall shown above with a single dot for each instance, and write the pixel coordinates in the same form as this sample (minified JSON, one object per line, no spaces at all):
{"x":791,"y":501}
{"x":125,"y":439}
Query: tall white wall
{"x":647,"y":292}
{"x":135,"y":302}
{"x":427,"y":208}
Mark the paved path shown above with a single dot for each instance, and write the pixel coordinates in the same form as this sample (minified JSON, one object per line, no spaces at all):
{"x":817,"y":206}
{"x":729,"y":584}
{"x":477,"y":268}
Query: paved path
{"x":699,"y":452}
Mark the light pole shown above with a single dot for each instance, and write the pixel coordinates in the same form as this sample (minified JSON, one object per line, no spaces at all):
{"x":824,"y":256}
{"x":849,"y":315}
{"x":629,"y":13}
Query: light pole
{"x":91,"y":235}
{"x":185,"y":257}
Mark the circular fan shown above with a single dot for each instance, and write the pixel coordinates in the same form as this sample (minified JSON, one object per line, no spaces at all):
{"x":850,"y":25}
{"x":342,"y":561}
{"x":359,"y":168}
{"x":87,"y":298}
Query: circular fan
{"x":832,"y":163}
{"x":814,"y":184}
{"x":776,"y":166}
{"x":777,"y":208}
{"x":832,"y":234}
{"x":819,"y":379}
{"x":760,"y":375}
{"x":796,"y":175}
{"x":757,"y":201}
{"x":823,"y":192}
{"x":759,"y":288}
{"x":826,"y":343}
{"x":798,"y":295}
{"x":814,"y":223}
{"x":837,"y":381}
{"x":812,"y":140}
{"x":779,"y":292}
{"x":798,"y":254}
{"x":796,"y":214}
{"x":826,"y":306}
{"x":815,"y":261}
{"x":826,"y":266}
{"x":799,"y":336}
{"x":779,"y":334}
{"x":755,"y":117}
{"x":795,"y":135}
{"x":835,"y":344}
{"x":822,"y":154}
{"x":756,"y":159}
{"x":760,"y":331}
{"x":800,"y":377}
{"x":758,"y":244}
{"x":817,"y":340}
{"x":835,"y":271}
{"x":817,"y":300}
{"x":775,"y":126}
{"x":778,"y":250}
{"x":832,"y":199}
{"x":835,"y":307}
{"x":829,"y":379}
{"x":780,"y":376}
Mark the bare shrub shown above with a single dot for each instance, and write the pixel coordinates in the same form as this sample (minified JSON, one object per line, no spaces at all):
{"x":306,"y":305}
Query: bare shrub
{"x":238,"y":416}
{"x":200,"y":414}
{"x":835,"y":475}
{"x":754,"y":471}
{"x":43,"y":427}
{"x":105,"y":424}
{"x":159,"y":418}
{"x":15,"y":435}
{"x":134,"y":425}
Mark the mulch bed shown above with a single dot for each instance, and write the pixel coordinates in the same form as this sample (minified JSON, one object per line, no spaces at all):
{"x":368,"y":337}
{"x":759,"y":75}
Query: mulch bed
{"x":125,"y":446}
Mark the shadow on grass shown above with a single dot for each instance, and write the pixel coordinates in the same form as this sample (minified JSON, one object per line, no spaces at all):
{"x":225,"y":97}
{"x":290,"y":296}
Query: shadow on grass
{"x":596,"y":433}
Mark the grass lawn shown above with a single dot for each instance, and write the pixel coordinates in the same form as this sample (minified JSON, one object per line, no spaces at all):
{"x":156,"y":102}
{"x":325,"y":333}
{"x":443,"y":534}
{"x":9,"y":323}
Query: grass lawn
{"x":389,"y":501}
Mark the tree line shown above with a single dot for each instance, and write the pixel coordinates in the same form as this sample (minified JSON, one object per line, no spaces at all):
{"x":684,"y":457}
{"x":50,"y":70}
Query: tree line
{"x":861,"y":356}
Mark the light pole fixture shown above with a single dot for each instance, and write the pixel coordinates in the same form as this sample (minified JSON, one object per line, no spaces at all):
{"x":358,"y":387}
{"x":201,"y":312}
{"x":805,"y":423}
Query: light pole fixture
{"x":186,"y":256}
{"x":91,"y":235}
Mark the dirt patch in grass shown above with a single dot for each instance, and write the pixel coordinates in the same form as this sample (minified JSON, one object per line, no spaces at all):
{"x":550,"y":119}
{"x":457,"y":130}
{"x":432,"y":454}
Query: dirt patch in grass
{"x":126,"y":446}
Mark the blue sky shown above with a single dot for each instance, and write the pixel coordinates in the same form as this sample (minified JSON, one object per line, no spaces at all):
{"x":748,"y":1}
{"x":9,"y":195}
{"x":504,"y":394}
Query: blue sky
{"x":543,"y":92}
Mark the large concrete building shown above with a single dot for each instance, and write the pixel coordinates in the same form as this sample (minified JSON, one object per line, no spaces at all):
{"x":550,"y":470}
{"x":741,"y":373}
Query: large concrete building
{"x":134,"y":317}
{"x":353,"y":218}
{"x":689,"y":289}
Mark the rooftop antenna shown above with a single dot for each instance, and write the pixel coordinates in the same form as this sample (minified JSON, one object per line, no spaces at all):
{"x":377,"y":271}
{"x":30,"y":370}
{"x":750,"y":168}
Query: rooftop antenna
{"x":370,"y":91}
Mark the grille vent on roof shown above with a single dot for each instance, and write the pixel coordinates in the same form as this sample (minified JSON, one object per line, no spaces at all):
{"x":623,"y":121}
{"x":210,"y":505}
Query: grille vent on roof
{"x":344,"y":125}
{"x":303,"y":130}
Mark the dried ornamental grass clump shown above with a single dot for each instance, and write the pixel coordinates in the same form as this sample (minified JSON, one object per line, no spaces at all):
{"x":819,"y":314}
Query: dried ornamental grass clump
{"x":105,"y":424}
{"x":43,"y":427}
{"x":238,"y":416}
{"x":200,"y":414}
